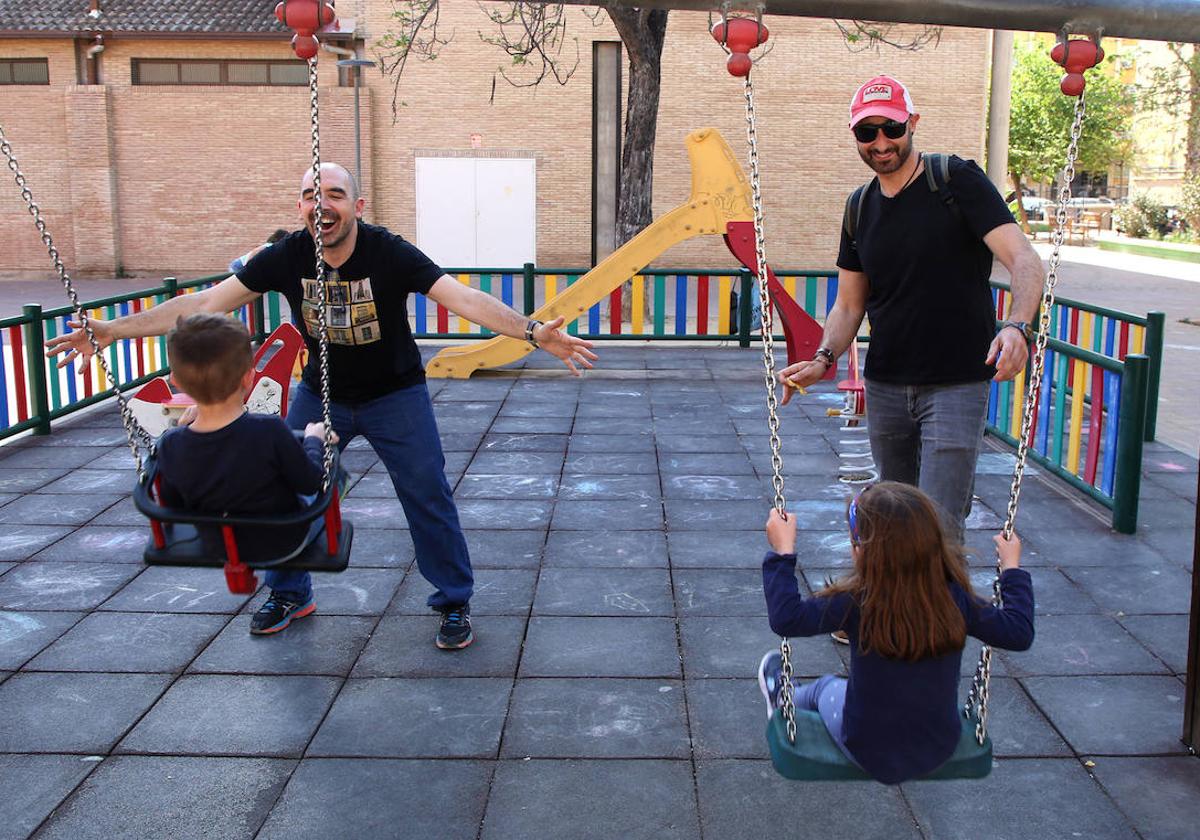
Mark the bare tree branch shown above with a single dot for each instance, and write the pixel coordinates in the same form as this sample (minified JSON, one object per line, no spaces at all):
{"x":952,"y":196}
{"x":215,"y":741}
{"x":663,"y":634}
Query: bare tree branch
{"x":863,"y":35}
{"x":418,"y":34}
{"x":531,"y":33}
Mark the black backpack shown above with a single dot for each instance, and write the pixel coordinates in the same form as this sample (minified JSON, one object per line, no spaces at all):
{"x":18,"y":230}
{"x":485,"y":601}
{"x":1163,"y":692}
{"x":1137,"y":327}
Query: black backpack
{"x":937,"y":175}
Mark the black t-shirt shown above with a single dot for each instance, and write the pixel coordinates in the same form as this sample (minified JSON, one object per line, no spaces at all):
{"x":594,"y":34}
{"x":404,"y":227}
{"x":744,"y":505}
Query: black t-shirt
{"x":928,"y":300}
{"x":371,"y":347}
{"x":252,"y":467}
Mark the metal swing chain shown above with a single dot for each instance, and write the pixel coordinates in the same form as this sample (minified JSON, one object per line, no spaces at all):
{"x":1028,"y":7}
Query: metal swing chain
{"x":977,"y":698}
{"x":766,"y":324}
{"x":322,"y":291}
{"x":138,"y":437}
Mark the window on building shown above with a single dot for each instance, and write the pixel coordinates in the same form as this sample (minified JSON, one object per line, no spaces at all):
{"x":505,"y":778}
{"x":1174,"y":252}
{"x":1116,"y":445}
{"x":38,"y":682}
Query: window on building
{"x":156,"y":71}
{"x":24,"y":71}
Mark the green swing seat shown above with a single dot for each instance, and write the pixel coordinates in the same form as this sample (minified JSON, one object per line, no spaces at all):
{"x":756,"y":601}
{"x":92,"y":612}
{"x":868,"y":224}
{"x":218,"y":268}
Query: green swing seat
{"x":816,"y":758}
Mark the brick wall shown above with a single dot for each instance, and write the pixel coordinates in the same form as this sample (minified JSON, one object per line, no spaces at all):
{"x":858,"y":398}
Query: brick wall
{"x":201,"y":174}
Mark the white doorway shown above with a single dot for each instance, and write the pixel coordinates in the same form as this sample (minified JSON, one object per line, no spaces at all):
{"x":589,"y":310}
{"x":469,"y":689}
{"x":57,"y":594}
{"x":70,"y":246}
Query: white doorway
{"x":477,"y":212}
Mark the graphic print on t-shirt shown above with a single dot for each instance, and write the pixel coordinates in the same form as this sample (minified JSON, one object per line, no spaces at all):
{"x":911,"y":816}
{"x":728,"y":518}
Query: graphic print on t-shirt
{"x":350,"y":314}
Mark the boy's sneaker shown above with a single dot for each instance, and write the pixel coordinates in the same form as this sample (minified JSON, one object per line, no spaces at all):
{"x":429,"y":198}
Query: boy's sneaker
{"x":277,"y":613}
{"x":770,"y":679}
{"x":840,"y":636}
{"x":455,"y":632}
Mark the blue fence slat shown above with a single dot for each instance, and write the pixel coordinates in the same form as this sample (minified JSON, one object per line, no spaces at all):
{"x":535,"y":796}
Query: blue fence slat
{"x":3,"y":384}
{"x":71,"y":392}
{"x":419,"y":314}
{"x":831,"y":289}
{"x":993,"y":400}
{"x":1042,"y":436}
{"x":594,"y":319}
{"x":126,"y":355}
{"x":506,"y":289}
{"x":1112,"y":390}
{"x":681,"y":300}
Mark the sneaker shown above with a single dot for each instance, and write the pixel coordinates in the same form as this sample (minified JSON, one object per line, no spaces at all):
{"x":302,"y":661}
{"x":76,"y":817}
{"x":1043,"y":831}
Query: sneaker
{"x":455,"y":632}
{"x":277,"y":613}
{"x":770,"y":679}
{"x":840,"y":637}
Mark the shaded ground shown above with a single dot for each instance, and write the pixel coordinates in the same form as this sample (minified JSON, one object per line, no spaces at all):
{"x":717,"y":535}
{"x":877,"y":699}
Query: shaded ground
{"x":615,"y":524}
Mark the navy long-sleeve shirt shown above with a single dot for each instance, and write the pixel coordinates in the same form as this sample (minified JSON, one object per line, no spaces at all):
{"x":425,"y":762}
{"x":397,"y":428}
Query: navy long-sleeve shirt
{"x":252,"y":467}
{"x":901,"y":719}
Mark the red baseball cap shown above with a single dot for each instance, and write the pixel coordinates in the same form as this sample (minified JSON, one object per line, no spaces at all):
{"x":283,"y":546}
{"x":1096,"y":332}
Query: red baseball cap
{"x":881,"y":96}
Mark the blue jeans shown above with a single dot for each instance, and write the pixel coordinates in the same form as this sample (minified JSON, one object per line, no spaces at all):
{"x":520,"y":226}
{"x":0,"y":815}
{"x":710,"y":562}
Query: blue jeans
{"x":401,"y":429}
{"x":827,"y":696}
{"x":929,"y":436}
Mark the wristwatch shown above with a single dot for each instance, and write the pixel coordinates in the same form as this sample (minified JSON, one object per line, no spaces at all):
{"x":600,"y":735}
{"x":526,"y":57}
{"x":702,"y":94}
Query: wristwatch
{"x":1023,"y":326}
{"x":827,"y":355}
{"x":532,"y":325}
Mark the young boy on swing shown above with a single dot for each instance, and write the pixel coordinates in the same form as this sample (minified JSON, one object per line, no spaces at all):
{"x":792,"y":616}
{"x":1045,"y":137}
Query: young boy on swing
{"x":227,"y":460}
{"x":907,"y":607}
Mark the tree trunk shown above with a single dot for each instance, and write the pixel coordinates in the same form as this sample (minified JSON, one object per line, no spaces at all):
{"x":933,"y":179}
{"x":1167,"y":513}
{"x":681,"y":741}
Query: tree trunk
{"x":642,"y":33}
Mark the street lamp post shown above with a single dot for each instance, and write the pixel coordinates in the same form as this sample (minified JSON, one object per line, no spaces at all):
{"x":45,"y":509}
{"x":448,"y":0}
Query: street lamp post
{"x":357,"y":64}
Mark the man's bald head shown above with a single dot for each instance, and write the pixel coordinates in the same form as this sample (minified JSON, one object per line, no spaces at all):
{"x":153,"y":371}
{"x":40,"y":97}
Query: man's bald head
{"x":332,"y":174}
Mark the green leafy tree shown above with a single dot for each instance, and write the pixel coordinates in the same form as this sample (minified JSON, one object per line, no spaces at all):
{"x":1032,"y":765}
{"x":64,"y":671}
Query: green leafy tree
{"x":1040,"y":124}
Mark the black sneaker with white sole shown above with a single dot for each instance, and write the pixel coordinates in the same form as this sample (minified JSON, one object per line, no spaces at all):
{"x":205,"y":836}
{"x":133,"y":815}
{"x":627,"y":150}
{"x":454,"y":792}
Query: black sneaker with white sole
{"x":455,"y":630}
{"x":278,"y":612}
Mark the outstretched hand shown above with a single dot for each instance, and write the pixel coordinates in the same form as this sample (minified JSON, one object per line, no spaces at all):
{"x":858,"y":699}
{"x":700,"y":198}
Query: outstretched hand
{"x":75,"y":345}
{"x":799,"y":376}
{"x":1009,"y":352}
{"x":574,"y":351}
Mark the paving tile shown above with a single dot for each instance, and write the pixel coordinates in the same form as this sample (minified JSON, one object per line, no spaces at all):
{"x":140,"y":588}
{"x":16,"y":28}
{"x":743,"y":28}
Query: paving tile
{"x":505,"y":549}
{"x":523,"y":442}
{"x":461,"y":442}
{"x":25,"y":805}
{"x":596,"y":718}
{"x":482,"y":486}
{"x":613,"y":426}
{"x":373,"y":485}
{"x":425,"y":718}
{"x":607,"y":516}
{"x":1022,"y":798}
{"x":516,"y":463}
{"x":62,"y":586}
{"x":170,"y":590}
{"x":99,"y":544}
{"x":599,"y":592}
{"x":697,"y":463}
{"x":657,"y":800}
{"x":249,"y":715}
{"x":1134,"y":590}
{"x":23,"y":634}
{"x":15,"y":480}
{"x":728,"y":719}
{"x":402,"y":646}
{"x":171,"y":796}
{"x":368,"y":512}
{"x":130,"y":643}
{"x":1081,"y":644}
{"x":69,"y":457}
{"x":1165,"y":635}
{"x":711,"y":444}
{"x":733,"y":647}
{"x":352,"y":592}
{"x":600,"y":647}
{"x":381,"y":548}
{"x":1053,"y":592}
{"x":20,"y":542}
{"x":1113,"y":715}
{"x":534,"y":425}
{"x":4,"y":567}
{"x":1158,"y":795}
{"x":714,"y":487}
{"x":729,"y":549}
{"x":609,"y":463}
{"x":321,"y":645}
{"x":81,"y":713}
{"x":491,"y":514}
{"x":107,"y":437}
{"x":592,"y":549}
{"x":343,"y":797}
{"x":38,"y":509}
{"x":497,"y":592}
{"x":122,"y":513}
{"x":1016,"y":727}
{"x":538,"y":408}
{"x":745,"y":799}
{"x":696,"y":515}
{"x":1090,"y":547}
{"x":634,"y":488}
{"x":112,"y":482}
{"x":720,"y":592}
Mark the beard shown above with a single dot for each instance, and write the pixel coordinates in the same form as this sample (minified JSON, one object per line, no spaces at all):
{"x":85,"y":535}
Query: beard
{"x":334,"y":236}
{"x":903,"y":151}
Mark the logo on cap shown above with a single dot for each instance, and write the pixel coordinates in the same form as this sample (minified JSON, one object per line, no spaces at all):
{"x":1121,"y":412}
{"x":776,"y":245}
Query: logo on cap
{"x":876,"y":92}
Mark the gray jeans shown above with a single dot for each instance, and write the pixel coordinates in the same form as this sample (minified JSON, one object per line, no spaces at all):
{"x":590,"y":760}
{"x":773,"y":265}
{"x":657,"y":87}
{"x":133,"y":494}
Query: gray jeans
{"x":929,"y":436}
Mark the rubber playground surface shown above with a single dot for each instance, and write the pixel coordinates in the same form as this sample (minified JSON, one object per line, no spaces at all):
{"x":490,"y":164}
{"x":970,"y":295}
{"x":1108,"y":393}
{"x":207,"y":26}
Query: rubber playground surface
{"x":615,"y":524}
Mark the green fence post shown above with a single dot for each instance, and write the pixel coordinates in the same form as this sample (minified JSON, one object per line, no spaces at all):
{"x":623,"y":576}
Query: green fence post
{"x":35,"y":367}
{"x":1155,"y":328}
{"x":170,"y":287}
{"x":527,"y":304}
{"x":744,"y":310}
{"x":260,"y":326}
{"x":1128,"y":484}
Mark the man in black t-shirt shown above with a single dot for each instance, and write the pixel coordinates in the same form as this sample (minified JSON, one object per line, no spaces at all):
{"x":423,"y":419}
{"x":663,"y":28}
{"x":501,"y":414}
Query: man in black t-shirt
{"x":919,"y":269}
{"x":377,"y":382}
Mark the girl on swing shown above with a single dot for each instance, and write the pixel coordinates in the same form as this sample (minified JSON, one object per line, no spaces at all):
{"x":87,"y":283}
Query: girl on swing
{"x":907,"y":607}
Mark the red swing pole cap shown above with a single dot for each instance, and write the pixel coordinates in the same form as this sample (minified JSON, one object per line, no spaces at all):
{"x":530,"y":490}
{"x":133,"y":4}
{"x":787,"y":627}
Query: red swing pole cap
{"x":739,"y":35}
{"x":1076,"y":55}
{"x":306,"y":18}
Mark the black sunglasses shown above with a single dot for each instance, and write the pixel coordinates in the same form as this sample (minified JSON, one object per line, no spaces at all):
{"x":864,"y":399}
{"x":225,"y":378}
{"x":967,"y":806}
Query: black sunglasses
{"x":892,"y":130}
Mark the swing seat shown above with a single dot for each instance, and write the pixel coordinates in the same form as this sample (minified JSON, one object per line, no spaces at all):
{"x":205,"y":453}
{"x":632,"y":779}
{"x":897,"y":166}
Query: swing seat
{"x":241,"y":544}
{"x":816,"y":758}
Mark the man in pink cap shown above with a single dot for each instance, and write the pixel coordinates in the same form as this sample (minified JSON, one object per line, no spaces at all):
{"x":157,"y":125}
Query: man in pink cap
{"x":916,"y":256}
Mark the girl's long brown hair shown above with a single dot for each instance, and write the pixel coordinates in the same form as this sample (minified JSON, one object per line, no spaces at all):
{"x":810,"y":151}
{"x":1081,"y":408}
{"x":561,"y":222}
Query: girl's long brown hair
{"x":900,"y":574}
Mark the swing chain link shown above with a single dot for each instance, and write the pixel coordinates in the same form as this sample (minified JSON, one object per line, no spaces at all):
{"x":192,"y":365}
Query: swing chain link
{"x":322,"y":290}
{"x":138,"y":438}
{"x":766,"y":315}
{"x":977,"y":698}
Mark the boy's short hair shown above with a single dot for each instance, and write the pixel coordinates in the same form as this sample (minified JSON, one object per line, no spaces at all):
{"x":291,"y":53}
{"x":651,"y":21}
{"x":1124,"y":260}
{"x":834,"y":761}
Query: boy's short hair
{"x":209,"y":355}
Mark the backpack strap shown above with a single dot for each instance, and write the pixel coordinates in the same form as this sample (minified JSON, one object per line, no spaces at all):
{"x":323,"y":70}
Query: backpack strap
{"x":937,"y":176}
{"x":853,"y":212}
